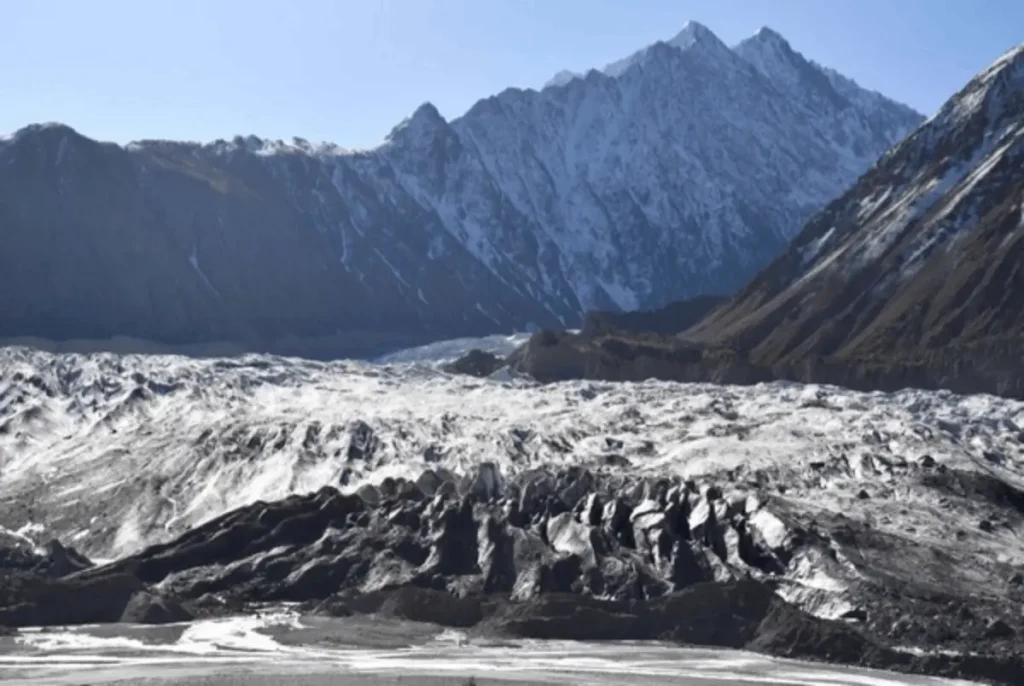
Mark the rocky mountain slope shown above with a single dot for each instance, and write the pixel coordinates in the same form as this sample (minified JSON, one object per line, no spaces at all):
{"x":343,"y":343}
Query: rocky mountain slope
{"x":676,"y":172}
{"x":920,"y":258}
{"x":810,"y":522}
{"x":910,"y":278}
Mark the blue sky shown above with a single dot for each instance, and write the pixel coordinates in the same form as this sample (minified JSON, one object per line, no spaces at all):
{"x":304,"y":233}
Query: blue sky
{"x":348,"y":70}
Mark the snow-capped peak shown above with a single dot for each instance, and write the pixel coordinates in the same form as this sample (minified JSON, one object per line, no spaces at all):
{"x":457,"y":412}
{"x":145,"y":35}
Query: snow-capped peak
{"x":694,"y":32}
{"x":989,"y":93}
{"x":770,"y":36}
{"x":773,"y":56}
{"x":1011,"y":57}
{"x":693,"y":36}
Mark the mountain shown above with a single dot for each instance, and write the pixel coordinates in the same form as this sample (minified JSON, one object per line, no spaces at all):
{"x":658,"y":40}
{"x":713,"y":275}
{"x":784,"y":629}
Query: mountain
{"x":676,"y":172}
{"x":911,"y":278}
{"x":920,"y":262}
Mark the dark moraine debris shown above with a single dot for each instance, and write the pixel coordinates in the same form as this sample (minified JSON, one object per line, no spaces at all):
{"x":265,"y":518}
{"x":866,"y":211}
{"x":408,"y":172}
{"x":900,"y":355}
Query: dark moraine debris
{"x":145,"y":607}
{"x":476,"y":362}
{"x":563,"y":553}
{"x":38,"y":600}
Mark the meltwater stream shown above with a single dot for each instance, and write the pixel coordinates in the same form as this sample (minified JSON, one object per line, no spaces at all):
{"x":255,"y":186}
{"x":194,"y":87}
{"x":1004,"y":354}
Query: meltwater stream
{"x":283,"y":647}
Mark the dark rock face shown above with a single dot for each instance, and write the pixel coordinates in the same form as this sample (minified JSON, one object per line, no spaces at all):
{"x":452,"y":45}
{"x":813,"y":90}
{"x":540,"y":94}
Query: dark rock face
{"x":46,"y":602}
{"x":146,"y":608}
{"x":59,"y":587}
{"x":551,"y":356}
{"x":64,"y":561}
{"x":560,"y":356}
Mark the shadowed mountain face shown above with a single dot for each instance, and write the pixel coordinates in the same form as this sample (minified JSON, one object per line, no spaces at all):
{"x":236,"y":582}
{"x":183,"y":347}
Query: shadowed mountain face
{"x":676,"y":172}
{"x":670,"y":319}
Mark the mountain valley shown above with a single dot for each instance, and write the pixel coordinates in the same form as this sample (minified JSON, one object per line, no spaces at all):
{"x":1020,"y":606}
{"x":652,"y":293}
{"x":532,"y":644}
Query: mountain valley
{"x":277,"y":409}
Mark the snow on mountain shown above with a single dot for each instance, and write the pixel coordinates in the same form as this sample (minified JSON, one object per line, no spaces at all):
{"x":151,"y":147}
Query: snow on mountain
{"x":678,"y":171}
{"x":701,"y":193}
{"x":918,"y":262}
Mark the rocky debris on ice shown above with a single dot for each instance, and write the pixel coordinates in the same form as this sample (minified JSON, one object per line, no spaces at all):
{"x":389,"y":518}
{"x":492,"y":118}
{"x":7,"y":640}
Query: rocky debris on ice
{"x":563,"y":553}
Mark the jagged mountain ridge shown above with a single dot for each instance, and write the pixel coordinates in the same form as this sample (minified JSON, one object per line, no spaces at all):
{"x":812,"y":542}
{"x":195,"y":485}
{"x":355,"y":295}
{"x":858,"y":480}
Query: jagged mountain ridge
{"x":609,"y":191}
{"x":919,"y":262}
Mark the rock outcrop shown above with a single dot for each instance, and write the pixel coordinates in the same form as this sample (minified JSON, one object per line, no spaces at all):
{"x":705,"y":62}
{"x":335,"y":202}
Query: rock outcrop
{"x":53,"y":587}
{"x":551,"y":356}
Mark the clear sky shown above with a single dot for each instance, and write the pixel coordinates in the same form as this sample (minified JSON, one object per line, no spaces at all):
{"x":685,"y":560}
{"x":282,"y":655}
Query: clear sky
{"x":346,"y":71}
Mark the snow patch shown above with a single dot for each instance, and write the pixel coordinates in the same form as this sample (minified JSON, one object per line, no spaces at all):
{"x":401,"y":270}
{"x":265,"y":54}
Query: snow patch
{"x":394,"y":271}
{"x":193,"y":260}
{"x":813,"y":248}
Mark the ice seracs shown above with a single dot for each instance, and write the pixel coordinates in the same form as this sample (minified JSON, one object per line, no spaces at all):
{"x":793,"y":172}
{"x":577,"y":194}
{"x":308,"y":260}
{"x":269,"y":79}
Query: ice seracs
{"x":209,"y":435}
